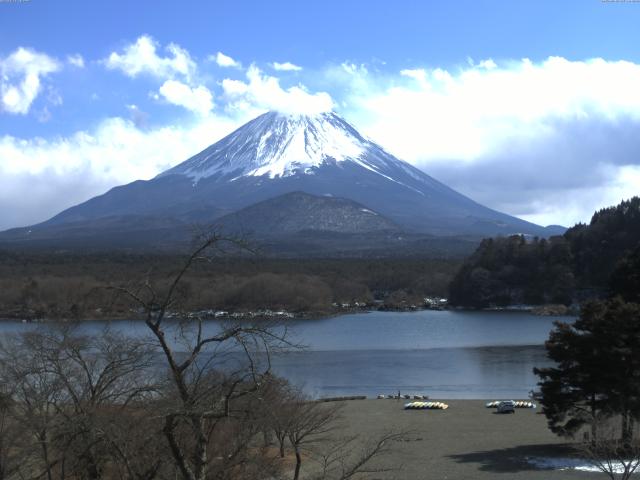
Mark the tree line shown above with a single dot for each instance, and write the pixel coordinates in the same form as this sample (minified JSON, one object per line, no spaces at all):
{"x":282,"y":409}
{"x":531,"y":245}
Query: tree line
{"x":73,"y":286}
{"x":588,"y":261}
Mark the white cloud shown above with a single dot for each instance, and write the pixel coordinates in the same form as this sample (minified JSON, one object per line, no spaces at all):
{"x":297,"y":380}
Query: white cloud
{"x":198,"y":99}
{"x":88,"y":163}
{"x":572,"y":205}
{"x":550,"y":141}
{"x":530,"y":127}
{"x":20,"y":79}
{"x":142,"y":57}
{"x":76,"y":60}
{"x":286,"y":67}
{"x":264,"y":92}
{"x":488,"y":64}
{"x":177,"y":69}
{"x":224,"y":60}
{"x":234,"y":88}
{"x":485,"y":105}
{"x":418,"y":74}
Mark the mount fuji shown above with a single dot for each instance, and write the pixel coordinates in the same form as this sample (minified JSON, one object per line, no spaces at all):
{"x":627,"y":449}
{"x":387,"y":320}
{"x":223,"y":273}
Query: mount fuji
{"x":273,"y":156}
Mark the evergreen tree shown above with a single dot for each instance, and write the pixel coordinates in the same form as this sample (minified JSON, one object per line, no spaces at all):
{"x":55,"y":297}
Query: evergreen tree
{"x":565,"y":269}
{"x":597,"y":372}
{"x":625,"y":280}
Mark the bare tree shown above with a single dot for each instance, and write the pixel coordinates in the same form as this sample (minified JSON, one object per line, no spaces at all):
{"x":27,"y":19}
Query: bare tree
{"x":133,"y":443}
{"x":616,"y":458}
{"x":70,"y":391}
{"x":35,"y":393}
{"x":343,"y":459}
{"x":204,"y":389}
{"x":100,"y":375}
{"x":278,"y":399}
{"x":309,"y":423}
{"x":313,"y":430}
{"x":10,"y":437}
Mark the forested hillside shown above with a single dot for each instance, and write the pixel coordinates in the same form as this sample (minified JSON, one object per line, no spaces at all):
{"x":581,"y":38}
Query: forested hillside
{"x":64,"y":285}
{"x":593,"y":260}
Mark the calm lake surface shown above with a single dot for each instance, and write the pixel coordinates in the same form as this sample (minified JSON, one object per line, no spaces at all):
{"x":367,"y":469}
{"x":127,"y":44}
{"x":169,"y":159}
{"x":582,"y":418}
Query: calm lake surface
{"x":443,"y":354}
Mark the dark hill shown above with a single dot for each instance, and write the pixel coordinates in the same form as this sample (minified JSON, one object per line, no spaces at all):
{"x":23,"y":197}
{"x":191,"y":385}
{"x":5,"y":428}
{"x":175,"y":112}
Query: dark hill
{"x":298,"y":212}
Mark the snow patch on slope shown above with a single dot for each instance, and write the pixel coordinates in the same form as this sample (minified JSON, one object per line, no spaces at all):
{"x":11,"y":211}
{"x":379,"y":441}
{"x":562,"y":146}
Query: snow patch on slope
{"x":276,"y":145}
{"x":302,"y":143}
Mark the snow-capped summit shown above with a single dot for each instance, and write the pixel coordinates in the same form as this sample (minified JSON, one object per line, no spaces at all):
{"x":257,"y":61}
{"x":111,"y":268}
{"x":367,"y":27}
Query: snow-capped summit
{"x":280,"y":145}
{"x":269,"y":158}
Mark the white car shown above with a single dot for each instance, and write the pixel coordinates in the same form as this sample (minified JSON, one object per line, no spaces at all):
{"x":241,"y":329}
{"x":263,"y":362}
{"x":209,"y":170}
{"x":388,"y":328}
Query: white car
{"x":507,"y":406}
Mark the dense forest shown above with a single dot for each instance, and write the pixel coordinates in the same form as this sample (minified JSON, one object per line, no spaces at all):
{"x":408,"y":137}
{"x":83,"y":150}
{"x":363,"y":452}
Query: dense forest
{"x":63,"y":285}
{"x":588,"y":261}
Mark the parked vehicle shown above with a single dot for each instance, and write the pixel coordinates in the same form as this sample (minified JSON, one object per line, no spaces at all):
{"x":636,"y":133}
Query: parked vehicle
{"x":507,"y":406}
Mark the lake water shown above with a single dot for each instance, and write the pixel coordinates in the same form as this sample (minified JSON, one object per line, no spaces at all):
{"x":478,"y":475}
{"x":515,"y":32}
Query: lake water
{"x":443,"y":354}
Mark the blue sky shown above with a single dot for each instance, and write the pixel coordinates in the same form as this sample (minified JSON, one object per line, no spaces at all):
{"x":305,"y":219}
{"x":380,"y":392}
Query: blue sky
{"x":528,"y":107}
{"x":435,"y":33}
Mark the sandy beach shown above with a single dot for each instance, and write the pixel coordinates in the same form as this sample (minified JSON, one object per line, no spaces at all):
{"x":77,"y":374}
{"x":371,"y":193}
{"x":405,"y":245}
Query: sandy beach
{"x":466,"y":441}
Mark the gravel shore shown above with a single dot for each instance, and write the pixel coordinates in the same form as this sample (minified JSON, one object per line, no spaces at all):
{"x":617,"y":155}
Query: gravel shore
{"x":466,"y":441}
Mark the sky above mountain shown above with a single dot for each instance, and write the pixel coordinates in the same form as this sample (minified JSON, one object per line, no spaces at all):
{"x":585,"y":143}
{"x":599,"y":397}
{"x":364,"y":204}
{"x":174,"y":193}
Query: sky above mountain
{"x":532,"y":109}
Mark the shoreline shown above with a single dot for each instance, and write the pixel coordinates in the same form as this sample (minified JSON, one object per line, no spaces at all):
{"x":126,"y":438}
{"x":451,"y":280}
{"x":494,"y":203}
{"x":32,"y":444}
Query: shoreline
{"x":211,"y":314}
{"x":465,"y":441}
{"x":402,"y":400}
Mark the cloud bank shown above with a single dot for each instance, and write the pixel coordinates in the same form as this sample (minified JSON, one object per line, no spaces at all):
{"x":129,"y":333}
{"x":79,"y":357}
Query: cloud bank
{"x":63,"y":172}
{"x":550,"y":141}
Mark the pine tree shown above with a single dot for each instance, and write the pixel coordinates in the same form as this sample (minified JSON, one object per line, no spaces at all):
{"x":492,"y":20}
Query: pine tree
{"x":597,"y":372}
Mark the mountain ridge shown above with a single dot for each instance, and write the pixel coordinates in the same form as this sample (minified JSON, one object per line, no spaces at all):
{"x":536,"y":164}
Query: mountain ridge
{"x":276,"y":154}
